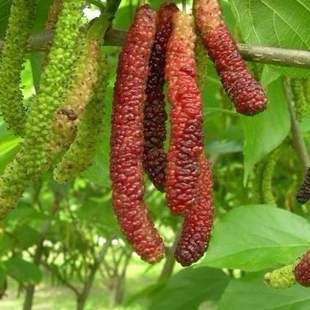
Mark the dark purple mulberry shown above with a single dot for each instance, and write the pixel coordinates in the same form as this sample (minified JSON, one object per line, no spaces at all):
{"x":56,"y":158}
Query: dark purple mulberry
{"x":155,"y":116}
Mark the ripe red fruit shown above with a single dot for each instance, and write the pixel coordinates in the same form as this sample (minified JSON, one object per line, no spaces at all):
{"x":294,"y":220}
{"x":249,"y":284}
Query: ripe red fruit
{"x":127,"y":138}
{"x":188,"y":176}
{"x":244,"y":91}
{"x":186,"y":141}
{"x":196,"y":231}
{"x":302,"y":270}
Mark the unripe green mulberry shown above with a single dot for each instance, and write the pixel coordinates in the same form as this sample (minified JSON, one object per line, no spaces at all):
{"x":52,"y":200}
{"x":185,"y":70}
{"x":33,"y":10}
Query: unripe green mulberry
{"x":31,"y":159}
{"x":256,"y":69}
{"x":270,"y":164}
{"x":51,"y":21}
{"x":11,"y":64}
{"x":306,"y":87}
{"x":263,"y":173}
{"x":300,"y":97}
{"x":52,"y":16}
{"x":77,"y":96}
{"x":281,"y":278}
{"x":257,"y":182}
{"x":82,"y":151}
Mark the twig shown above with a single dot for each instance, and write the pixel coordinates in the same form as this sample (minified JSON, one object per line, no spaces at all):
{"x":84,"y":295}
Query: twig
{"x":275,"y":55}
{"x":250,"y":52}
{"x":62,"y":279}
{"x":167,"y":269}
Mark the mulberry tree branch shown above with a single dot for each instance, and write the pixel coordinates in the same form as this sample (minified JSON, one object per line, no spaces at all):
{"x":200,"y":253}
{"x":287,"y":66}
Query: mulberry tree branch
{"x":264,"y":54}
{"x":275,"y":55}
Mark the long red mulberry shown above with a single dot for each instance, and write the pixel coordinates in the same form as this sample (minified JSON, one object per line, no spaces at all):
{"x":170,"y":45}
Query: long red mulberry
{"x":126,"y":169}
{"x":244,"y":91}
{"x":186,"y":141}
{"x":197,"y":224}
{"x":302,"y":270}
{"x":155,"y":116}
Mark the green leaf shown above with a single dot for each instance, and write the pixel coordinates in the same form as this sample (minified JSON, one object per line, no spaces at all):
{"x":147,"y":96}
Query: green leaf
{"x":275,"y":23}
{"x":27,"y":236}
{"x":36,"y":60}
{"x":41,"y":13}
{"x":22,"y":270}
{"x":265,"y":131}
{"x":2,"y":278}
{"x":7,"y":243}
{"x":124,"y":16}
{"x":100,"y":214}
{"x":99,"y":172}
{"x":269,"y":75}
{"x":257,"y":237}
{"x":250,"y":292}
{"x":189,"y":288}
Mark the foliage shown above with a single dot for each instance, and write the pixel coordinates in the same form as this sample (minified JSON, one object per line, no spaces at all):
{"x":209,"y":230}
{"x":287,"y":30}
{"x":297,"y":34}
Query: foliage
{"x":58,"y":233}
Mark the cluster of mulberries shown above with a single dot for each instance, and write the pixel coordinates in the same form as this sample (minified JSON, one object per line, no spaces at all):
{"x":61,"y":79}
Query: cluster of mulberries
{"x":161,"y":48}
{"x":59,"y":114}
{"x":139,"y":131}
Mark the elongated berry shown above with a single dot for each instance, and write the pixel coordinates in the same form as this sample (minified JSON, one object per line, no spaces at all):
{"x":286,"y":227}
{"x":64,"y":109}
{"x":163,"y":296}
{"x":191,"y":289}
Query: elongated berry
{"x":270,"y":163}
{"x":303,"y":194}
{"x":82,"y":150}
{"x":53,"y":13}
{"x":126,"y":170}
{"x":244,"y":91}
{"x":155,"y":116}
{"x":299,"y":97}
{"x":32,"y":158}
{"x":186,"y":140}
{"x":197,"y":224}
{"x":257,"y":182}
{"x":74,"y":100}
{"x":11,"y":65}
{"x":306,"y":88}
{"x":302,"y":270}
